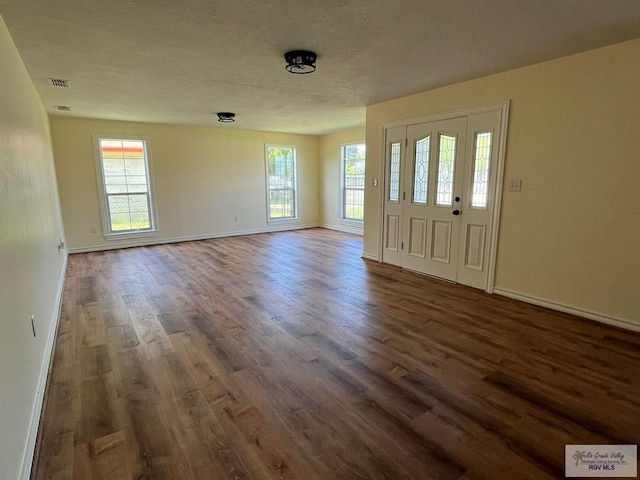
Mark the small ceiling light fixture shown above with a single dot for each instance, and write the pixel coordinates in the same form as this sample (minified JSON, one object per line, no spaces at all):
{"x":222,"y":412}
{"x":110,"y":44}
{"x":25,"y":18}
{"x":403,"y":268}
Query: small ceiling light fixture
{"x":226,"y":117}
{"x":300,"y":61}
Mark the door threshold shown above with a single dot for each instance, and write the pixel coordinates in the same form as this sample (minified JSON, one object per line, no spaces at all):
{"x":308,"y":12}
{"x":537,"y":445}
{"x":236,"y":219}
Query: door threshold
{"x":453,"y":282}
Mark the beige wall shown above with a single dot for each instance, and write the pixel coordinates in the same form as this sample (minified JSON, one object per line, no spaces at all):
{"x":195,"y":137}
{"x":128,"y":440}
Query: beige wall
{"x":572,"y":235}
{"x":31,"y":268}
{"x":203,"y":178}
{"x":329,"y":147}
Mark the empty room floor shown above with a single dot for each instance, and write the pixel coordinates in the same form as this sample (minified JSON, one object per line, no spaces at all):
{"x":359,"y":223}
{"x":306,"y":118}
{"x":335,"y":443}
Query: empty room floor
{"x":288,"y":356}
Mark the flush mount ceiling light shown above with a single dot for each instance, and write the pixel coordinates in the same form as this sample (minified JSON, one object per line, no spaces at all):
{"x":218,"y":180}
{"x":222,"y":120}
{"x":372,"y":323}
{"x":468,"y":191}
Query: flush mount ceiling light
{"x":226,"y":117}
{"x":300,"y":61}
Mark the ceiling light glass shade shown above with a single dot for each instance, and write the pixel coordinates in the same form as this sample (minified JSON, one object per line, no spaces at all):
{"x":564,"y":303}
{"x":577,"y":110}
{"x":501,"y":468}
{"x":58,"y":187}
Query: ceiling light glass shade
{"x":226,"y":117}
{"x":300,"y":61}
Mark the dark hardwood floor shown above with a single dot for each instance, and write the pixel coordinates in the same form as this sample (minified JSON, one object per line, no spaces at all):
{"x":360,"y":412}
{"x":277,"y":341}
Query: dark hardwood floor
{"x":288,"y":356}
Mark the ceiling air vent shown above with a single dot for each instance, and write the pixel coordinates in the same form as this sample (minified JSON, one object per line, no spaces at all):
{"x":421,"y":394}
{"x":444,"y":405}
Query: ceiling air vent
{"x":59,"y":82}
{"x":63,"y":108}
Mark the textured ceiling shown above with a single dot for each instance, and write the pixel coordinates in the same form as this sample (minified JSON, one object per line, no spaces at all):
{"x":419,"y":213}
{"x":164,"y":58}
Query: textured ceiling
{"x":181,"y":61}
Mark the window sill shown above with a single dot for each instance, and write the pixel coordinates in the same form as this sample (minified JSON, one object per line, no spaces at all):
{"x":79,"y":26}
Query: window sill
{"x":123,"y":236}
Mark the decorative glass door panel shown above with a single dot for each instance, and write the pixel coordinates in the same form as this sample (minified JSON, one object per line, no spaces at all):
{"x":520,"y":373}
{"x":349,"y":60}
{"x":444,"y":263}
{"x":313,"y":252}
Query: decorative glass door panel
{"x":446,"y":170}
{"x":421,"y":171}
{"x":394,"y":173}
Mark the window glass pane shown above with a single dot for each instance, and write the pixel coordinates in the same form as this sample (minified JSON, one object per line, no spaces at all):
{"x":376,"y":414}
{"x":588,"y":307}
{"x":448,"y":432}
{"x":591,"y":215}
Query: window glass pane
{"x":118,"y":188}
{"x":118,"y":204}
{"x":120,"y":222}
{"x":136,"y":180}
{"x":481,"y":161}
{"x":113,"y":167}
{"x":281,"y":166}
{"x":138,"y":203}
{"x":137,"y":188}
{"x":140,"y":220}
{"x":133,"y":148}
{"x":281,"y":203}
{"x":421,"y":171}
{"x":111,"y":149}
{"x":116,"y":184}
{"x":124,"y":168}
{"x":354,"y":204}
{"x":394,"y":173}
{"x":135,"y":166}
{"x":446,"y":166}
{"x":353,"y":168}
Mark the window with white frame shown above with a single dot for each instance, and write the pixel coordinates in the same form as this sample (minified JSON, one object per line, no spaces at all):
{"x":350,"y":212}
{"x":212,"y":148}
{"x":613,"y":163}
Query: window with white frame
{"x":126,"y":186}
{"x":281,"y":181}
{"x":353,"y":161}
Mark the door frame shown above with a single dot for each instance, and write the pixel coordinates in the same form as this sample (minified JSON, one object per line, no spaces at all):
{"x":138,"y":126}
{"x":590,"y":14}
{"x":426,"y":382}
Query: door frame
{"x":503,"y":107}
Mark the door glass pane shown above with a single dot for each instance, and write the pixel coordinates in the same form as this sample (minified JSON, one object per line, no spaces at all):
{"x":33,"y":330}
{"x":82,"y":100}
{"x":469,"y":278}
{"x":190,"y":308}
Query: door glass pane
{"x":482,"y":157}
{"x":446,"y":166}
{"x":394,"y":173}
{"x":421,"y":171}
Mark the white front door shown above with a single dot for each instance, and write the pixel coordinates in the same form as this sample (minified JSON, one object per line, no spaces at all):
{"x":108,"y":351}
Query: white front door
{"x":430,"y":221}
{"x":440,"y":184}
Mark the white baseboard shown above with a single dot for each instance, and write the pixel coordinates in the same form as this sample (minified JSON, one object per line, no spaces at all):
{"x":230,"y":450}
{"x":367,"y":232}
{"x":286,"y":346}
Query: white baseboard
{"x":354,"y":229}
{"x":142,"y":242}
{"x":369,"y":256}
{"x":45,"y":369}
{"x":595,"y":316}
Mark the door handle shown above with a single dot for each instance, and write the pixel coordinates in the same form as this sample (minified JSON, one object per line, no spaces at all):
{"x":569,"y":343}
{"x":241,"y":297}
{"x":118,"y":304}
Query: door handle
{"x":457,"y":212}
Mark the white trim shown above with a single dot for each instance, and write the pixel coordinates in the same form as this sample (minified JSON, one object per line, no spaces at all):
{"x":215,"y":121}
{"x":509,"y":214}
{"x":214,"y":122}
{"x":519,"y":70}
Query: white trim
{"x":345,"y":228}
{"x":45,"y":370}
{"x":382,"y":174}
{"x":561,"y":307}
{"x":434,"y":117}
{"x":369,"y":256}
{"x":191,"y":238}
{"x":284,"y":221}
{"x":497,"y":198}
{"x":119,"y":236}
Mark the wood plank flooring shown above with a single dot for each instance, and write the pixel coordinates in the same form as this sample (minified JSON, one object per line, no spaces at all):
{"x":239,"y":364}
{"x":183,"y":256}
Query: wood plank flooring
{"x":287,"y":356}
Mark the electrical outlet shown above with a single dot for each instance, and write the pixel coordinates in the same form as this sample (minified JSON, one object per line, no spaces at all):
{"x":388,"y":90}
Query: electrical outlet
{"x":374,"y":182}
{"x":60,"y":245}
{"x":515,"y":185}
{"x":236,"y":218}
{"x":33,"y":325}
{"x":94,"y":230}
